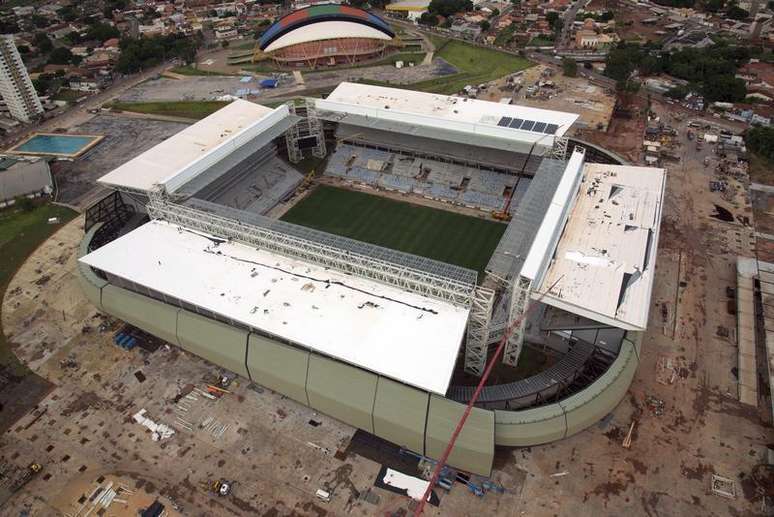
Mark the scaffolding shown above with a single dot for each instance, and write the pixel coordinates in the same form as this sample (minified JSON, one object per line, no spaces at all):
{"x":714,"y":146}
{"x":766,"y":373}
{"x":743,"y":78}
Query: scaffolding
{"x":479,"y":322}
{"x":559,"y":150}
{"x":308,"y":126}
{"x":518,"y":307}
{"x":346,"y":261}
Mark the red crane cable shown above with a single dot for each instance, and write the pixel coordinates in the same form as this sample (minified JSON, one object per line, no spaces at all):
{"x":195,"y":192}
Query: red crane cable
{"x":445,"y":456}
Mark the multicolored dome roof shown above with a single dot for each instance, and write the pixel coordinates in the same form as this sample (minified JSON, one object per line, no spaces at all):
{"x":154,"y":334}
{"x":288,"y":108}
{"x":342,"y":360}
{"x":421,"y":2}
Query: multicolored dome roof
{"x":322,"y":13}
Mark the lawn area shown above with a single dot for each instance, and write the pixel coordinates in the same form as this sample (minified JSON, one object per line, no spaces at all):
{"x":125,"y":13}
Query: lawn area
{"x":475,"y":64}
{"x":190,"y":70}
{"x":20,"y":234}
{"x":68,"y":95}
{"x":428,"y":232}
{"x":540,"y":42}
{"x":187,"y":109}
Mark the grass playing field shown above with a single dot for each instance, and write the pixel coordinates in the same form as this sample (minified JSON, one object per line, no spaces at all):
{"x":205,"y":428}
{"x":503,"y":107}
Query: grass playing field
{"x":428,"y":232}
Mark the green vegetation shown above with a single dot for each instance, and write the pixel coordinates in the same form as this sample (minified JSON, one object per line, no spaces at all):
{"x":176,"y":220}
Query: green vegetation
{"x":761,"y":169}
{"x":141,"y":53}
{"x":505,"y":36}
{"x":475,"y":64}
{"x":21,"y":232}
{"x":449,"y":7}
{"x":760,"y":140}
{"x":569,"y":67}
{"x":541,"y":41}
{"x":68,"y":95}
{"x":709,"y":71}
{"x":190,"y":70}
{"x":186,"y":109}
{"x":429,"y":232}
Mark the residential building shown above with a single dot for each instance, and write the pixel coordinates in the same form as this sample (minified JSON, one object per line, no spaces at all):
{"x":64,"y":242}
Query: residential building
{"x":15,"y":85}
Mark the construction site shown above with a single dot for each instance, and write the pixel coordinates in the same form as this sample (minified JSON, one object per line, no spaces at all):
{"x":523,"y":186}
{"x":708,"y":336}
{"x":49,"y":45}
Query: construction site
{"x":231,"y":332}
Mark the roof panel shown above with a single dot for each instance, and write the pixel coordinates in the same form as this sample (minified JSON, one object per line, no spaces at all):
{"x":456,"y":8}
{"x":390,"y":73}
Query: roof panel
{"x":604,"y":264}
{"x":405,"y":336}
{"x":193,"y":148}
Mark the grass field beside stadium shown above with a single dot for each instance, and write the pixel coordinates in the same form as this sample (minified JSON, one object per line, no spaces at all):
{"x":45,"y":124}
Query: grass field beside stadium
{"x":428,"y":232}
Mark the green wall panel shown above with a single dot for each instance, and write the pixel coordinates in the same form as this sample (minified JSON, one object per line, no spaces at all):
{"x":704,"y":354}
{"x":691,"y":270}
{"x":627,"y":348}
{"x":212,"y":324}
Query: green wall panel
{"x":529,"y":426}
{"x":278,"y":367}
{"x":400,"y":413}
{"x":474,"y":449}
{"x":217,"y":342}
{"x":158,"y":318}
{"x":589,"y":406}
{"x":344,"y":392}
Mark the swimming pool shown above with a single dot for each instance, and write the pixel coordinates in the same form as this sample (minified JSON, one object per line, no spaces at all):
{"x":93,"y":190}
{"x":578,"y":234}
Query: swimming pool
{"x":56,"y":144}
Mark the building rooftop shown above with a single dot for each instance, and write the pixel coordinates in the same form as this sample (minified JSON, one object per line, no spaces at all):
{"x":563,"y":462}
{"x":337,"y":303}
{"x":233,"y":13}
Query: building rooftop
{"x":488,"y":120}
{"x":404,"y":336}
{"x":182,"y":157}
{"x":604,"y":264}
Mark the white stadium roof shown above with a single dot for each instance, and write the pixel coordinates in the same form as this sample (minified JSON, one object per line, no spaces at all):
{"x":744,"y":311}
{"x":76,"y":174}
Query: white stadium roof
{"x":185,"y":155}
{"x":604,"y":264}
{"x":326,"y":31}
{"x":405,"y":336}
{"x":490,"y":120}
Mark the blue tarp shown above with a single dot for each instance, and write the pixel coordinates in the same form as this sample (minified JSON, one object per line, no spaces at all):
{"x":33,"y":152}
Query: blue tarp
{"x":269,"y":83}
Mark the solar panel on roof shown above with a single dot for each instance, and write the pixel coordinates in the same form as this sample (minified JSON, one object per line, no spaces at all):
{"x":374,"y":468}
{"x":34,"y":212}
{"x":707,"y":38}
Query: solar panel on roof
{"x":551,"y":129}
{"x":527,"y":125}
{"x":515,"y":123}
{"x":539,"y":127}
{"x":504,"y":121}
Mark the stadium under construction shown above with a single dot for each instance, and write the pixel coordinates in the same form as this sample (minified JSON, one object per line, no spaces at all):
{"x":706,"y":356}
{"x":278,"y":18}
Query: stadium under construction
{"x":187,"y":248}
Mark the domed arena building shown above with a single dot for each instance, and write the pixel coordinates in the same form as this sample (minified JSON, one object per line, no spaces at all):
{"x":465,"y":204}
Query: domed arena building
{"x":326,"y":35}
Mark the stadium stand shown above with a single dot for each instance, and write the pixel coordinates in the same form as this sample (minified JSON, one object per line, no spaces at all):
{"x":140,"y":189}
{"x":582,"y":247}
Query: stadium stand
{"x":252,"y":181}
{"x":446,"y":181}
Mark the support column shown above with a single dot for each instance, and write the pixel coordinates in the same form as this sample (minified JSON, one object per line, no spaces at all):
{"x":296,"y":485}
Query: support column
{"x":478,"y":331}
{"x":518,"y":307}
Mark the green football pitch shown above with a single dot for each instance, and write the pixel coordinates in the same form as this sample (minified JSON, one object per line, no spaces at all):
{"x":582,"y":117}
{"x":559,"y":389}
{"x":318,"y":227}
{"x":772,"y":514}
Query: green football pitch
{"x":428,"y":232}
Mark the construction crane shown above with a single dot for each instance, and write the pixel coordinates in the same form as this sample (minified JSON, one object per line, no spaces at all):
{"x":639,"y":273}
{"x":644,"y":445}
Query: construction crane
{"x":441,"y":464}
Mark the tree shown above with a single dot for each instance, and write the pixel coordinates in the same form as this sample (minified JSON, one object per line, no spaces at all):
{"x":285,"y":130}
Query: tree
{"x":760,"y":140}
{"x":553,"y":19}
{"x":724,"y":88}
{"x":23,"y":49}
{"x":428,"y":18}
{"x":495,"y":12}
{"x":68,"y":13}
{"x":737,"y":13}
{"x":569,"y":67}
{"x":224,"y":44}
{"x":61,"y":56}
{"x":449,"y":7}
{"x":714,"y":6}
{"x":485,"y":25}
{"x":42,"y":42}
{"x":102,"y":32}
{"x":39,"y":21}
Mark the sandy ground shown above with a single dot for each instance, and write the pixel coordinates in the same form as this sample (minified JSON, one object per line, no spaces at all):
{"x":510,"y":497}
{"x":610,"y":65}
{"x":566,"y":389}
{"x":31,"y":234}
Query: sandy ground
{"x":593,"y":103}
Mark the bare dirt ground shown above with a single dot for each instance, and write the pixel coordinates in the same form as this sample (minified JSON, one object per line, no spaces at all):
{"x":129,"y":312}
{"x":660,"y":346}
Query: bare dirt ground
{"x":593,"y":103}
{"x":82,"y":429}
{"x":625,"y":131}
{"x":125,"y":138}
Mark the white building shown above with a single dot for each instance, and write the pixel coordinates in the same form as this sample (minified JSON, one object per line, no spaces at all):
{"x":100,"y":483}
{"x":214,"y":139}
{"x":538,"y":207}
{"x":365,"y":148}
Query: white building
{"x":15,"y":84}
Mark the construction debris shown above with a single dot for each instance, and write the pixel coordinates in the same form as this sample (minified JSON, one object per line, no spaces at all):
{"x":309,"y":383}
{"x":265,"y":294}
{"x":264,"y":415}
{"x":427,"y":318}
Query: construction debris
{"x":158,"y":431}
{"x":627,"y":443}
{"x":723,"y":487}
{"x":656,"y":405}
